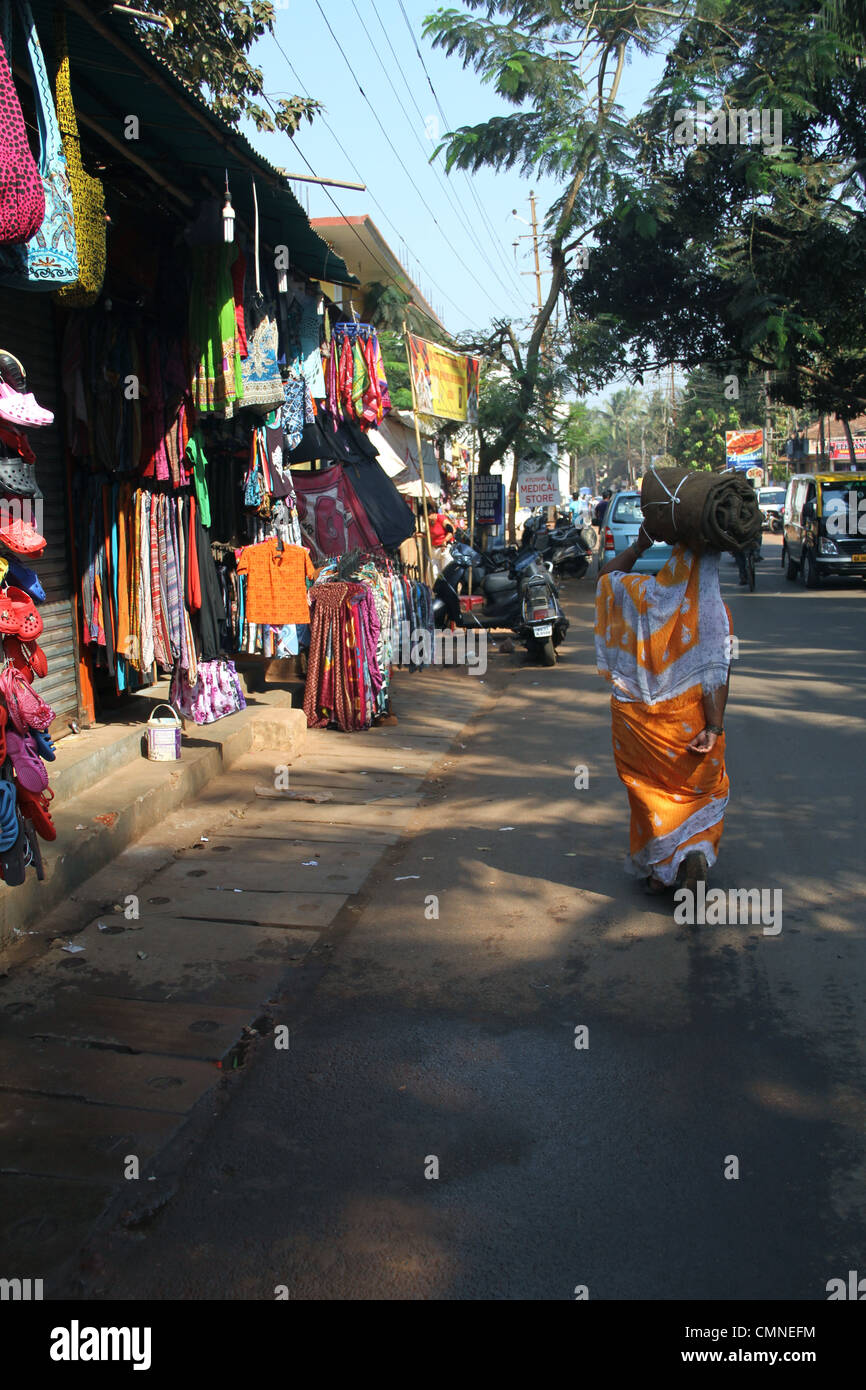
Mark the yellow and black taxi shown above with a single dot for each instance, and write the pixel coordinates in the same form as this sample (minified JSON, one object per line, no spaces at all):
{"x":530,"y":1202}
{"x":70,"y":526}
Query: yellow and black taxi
{"x":824,"y":526}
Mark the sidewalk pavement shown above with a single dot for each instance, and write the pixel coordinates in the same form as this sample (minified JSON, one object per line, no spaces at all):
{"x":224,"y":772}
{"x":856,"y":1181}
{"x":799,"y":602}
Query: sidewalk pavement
{"x":126,"y":1012}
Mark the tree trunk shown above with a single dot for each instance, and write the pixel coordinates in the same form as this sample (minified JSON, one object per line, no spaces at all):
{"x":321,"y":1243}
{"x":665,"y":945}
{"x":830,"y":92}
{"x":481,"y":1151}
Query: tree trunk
{"x":823,"y":440}
{"x":846,"y":425}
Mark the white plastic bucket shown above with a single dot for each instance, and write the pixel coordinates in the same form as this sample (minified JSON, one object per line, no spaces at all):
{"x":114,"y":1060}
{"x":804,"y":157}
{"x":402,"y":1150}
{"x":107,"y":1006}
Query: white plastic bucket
{"x":163,"y":736}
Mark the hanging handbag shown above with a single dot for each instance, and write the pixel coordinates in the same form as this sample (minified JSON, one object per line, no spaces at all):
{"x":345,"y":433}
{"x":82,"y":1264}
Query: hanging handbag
{"x":88,"y":195}
{"x":48,"y":259}
{"x":22,"y":198}
{"x":253,"y":488}
{"x":263,"y":382}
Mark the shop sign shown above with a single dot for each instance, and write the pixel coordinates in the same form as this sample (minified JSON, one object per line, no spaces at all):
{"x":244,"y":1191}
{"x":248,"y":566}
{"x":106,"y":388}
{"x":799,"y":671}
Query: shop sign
{"x":744,"y":448}
{"x":446,"y":383}
{"x":537,"y":485}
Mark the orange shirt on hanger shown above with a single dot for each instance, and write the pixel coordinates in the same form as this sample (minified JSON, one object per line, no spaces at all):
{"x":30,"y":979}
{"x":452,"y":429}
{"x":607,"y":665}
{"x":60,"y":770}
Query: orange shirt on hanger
{"x":276,"y":583}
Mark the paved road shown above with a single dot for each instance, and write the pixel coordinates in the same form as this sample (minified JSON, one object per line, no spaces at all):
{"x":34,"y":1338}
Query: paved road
{"x":415,"y":1038}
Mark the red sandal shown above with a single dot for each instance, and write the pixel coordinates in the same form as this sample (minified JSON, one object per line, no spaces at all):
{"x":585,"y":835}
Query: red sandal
{"x":28,"y":658}
{"x":18,"y":615}
{"x":34,"y":807}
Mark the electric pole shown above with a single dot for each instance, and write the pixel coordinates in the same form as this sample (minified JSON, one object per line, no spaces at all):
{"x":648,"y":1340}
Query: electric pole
{"x":535,"y":249}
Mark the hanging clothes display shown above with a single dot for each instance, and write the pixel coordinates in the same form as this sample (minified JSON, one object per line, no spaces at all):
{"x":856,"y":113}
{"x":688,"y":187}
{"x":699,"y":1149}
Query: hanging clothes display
{"x":276,"y":591}
{"x":217,"y":379}
{"x":367,"y":614}
{"x":332,"y":519}
{"x":356,"y":386}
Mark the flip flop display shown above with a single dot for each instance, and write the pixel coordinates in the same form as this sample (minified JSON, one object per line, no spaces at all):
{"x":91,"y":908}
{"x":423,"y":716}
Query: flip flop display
{"x":25,"y":744}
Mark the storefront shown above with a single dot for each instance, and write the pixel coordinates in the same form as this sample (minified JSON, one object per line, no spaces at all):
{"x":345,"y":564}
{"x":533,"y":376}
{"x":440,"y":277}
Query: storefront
{"x":210,"y":447}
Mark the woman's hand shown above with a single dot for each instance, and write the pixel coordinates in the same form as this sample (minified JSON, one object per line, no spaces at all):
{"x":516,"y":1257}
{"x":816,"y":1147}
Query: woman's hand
{"x":704,"y":742}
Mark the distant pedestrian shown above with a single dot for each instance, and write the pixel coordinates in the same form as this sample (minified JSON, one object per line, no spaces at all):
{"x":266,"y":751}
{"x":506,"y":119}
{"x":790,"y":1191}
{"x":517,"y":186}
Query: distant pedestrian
{"x":601,"y":509}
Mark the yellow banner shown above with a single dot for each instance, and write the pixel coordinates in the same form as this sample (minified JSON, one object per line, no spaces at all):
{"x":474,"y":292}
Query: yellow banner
{"x":444,"y":381}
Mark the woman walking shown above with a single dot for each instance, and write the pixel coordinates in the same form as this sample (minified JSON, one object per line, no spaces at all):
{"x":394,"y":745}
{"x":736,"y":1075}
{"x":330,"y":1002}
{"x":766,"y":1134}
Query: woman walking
{"x":663,"y":643}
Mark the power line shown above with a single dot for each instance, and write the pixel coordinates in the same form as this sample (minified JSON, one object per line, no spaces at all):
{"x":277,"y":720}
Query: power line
{"x":448,"y":192}
{"x":373,"y":199}
{"x":397,"y":156}
{"x":439,"y":107}
{"x":388,"y":273}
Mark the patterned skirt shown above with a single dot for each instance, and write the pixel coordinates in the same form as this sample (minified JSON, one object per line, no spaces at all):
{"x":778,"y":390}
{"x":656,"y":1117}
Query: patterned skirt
{"x":677,"y":798}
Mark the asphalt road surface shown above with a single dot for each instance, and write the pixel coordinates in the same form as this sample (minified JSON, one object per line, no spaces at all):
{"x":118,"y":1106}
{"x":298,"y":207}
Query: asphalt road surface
{"x":423,"y":1044}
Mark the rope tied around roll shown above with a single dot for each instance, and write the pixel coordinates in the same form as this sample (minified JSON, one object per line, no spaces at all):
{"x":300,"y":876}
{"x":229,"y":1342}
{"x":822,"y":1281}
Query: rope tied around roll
{"x":674,"y":496}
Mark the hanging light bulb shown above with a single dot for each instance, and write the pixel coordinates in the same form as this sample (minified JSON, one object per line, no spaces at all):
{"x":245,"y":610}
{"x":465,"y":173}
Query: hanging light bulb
{"x":228,"y":214}
{"x":282,"y":282}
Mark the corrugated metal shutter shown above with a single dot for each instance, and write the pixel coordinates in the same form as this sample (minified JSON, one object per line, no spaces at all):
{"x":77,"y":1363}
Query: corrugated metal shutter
{"x":27,"y":329}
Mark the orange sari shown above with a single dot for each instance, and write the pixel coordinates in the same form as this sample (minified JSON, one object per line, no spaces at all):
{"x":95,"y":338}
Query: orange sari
{"x":662,"y":642}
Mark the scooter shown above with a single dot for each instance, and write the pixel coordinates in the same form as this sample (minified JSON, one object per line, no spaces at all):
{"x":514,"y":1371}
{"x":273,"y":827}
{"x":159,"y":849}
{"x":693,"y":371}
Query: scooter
{"x":543,"y":624}
{"x":523,"y":599}
{"x":564,"y":547}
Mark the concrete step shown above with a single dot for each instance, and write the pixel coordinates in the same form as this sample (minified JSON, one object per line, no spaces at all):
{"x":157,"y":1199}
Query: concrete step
{"x":98,"y":817}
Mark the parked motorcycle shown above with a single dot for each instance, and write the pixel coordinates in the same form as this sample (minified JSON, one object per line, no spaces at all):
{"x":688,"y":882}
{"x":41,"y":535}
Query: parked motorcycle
{"x":522,"y":597}
{"x":564,"y":547}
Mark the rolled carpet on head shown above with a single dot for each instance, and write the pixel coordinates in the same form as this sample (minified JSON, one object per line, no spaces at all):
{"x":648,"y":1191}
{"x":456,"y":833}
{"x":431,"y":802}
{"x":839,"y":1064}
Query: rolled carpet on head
{"x":705,"y":511}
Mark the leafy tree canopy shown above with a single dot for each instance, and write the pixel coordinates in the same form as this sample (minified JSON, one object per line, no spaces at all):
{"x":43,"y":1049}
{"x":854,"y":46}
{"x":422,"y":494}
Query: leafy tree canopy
{"x":208,"y":46}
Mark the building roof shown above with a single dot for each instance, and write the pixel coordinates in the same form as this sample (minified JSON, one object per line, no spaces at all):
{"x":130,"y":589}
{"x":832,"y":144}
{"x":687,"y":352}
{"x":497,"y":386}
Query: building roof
{"x":834,"y":429}
{"x":180,"y":139}
{"x":368,"y":255}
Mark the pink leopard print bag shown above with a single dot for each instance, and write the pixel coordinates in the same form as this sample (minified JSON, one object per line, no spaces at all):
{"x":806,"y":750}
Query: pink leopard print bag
{"x":22,"y":197}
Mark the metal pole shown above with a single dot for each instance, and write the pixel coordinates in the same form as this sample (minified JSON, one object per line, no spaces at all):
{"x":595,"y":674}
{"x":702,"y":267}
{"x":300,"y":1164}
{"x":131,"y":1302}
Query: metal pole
{"x":420,"y":457}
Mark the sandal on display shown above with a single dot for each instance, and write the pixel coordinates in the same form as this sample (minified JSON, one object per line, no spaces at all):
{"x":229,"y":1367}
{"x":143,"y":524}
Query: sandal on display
{"x":33,"y":847}
{"x":12,"y":372}
{"x":25,"y":578}
{"x":19,"y":478}
{"x":27,"y":710}
{"x":18,"y":614}
{"x":12,"y":860}
{"x":21,"y":536}
{"x":28,"y":658}
{"x":22,"y":410}
{"x":44,"y":744}
{"x":8,"y":815}
{"x":29,"y":767}
{"x":34,"y":807}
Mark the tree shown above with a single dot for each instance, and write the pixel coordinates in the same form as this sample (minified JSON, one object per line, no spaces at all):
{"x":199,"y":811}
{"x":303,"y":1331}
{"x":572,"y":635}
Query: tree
{"x":207,"y":45}
{"x":561,"y":71}
{"x":748,"y":254}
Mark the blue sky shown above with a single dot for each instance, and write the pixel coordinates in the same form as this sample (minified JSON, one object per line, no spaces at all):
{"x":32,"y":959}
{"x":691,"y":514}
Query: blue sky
{"x":467,"y":287}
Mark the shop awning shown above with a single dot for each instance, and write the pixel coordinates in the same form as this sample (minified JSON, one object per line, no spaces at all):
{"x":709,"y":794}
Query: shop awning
{"x":115,"y":76}
{"x":398,"y":455}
